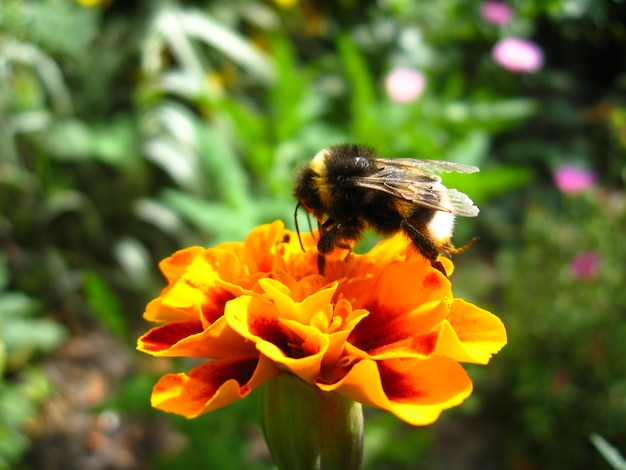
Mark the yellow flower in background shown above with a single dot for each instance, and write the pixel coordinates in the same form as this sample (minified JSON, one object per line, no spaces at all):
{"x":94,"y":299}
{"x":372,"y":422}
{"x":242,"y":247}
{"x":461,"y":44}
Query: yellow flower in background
{"x":286,"y":3}
{"x":380,"y":328}
{"x":93,"y":3}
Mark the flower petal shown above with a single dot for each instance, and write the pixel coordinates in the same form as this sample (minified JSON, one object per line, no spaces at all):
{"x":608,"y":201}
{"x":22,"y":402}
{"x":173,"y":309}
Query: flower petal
{"x":356,"y":266}
{"x":180,"y":339}
{"x":174,"y":266}
{"x":390,"y":250}
{"x":314,"y":309}
{"x":259,"y":248}
{"x":209,"y":281}
{"x":211,"y":385}
{"x":157,"y":312}
{"x":415,"y":390}
{"x":471,"y":334}
{"x":406,"y":305}
{"x":160,"y":339}
{"x":296,"y":347}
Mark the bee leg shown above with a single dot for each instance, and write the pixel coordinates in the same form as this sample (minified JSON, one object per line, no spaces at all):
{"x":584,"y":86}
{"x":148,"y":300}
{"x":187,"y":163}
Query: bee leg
{"x":456,"y":251}
{"x":336,"y":235}
{"x":423,"y":244}
{"x":321,"y":263}
{"x":439,"y":267}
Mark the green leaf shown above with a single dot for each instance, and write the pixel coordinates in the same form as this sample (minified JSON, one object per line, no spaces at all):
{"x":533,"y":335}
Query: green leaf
{"x":16,"y":305}
{"x":489,"y":182}
{"x":64,"y":27}
{"x":70,"y":140}
{"x":18,"y":404}
{"x":362,"y":87}
{"x":23,"y":337}
{"x":471,"y":150}
{"x":4,"y":358}
{"x":179,"y":26}
{"x":222,"y":166}
{"x":103,"y":302}
{"x":220,"y":220}
{"x":114,"y":143}
{"x":288,"y":92}
{"x":610,"y":453}
{"x":4,"y":272}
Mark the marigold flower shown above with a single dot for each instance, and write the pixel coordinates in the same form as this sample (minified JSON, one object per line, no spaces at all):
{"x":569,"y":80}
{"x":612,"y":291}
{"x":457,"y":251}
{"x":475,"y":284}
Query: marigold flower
{"x":381,"y":328}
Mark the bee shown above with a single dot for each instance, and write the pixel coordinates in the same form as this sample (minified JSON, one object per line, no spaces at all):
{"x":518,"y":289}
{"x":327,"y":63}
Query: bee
{"x":348,"y":189}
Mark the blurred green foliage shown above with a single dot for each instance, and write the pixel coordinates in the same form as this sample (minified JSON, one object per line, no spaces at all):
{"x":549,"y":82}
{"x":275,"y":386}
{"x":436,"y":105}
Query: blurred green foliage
{"x":573,"y":329}
{"x":131,"y":129}
{"x":23,"y":334}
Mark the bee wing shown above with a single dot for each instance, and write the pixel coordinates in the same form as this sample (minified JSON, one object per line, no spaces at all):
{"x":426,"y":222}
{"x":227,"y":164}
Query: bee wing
{"x":428,"y":166}
{"x":415,"y":181}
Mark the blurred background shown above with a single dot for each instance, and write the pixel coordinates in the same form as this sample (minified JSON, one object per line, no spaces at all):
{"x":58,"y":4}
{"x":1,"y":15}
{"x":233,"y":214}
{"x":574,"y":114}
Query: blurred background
{"x":130,"y":129}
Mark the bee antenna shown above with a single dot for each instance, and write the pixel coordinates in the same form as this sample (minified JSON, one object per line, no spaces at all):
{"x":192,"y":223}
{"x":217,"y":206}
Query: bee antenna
{"x":295,"y":219}
{"x":308,"y":219}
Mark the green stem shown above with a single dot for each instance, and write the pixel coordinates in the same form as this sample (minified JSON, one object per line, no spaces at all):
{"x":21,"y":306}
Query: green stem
{"x":309,"y":429}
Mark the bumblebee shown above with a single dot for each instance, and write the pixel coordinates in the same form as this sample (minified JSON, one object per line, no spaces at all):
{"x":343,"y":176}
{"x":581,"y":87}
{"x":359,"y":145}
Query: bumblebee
{"x":348,"y":189}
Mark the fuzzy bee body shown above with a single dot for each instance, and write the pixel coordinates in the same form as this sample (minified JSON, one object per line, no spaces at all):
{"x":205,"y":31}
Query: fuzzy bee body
{"x":348,"y":189}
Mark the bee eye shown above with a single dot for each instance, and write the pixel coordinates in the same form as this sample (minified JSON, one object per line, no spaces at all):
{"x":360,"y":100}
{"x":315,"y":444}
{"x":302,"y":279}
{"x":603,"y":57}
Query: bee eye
{"x":361,"y":162}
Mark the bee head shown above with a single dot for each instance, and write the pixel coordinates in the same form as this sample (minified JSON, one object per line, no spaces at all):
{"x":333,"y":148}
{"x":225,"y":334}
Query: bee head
{"x":308,"y":191}
{"x":310,"y":182}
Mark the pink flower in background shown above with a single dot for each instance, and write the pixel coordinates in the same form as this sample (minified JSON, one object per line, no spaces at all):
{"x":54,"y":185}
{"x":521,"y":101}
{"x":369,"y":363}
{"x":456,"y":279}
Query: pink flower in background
{"x":572,"y":180}
{"x":404,"y":85}
{"x":518,"y":55}
{"x":585,"y":265}
{"x":498,"y":13}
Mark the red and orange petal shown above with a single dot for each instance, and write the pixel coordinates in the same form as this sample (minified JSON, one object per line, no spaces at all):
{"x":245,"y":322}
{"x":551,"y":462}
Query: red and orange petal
{"x":299,"y":350}
{"x":209,"y":281}
{"x":259,"y":250}
{"x":283,"y":287}
{"x":407,"y":304}
{"x":390,"y":250}
{"x":415,"y":390}
{"x":173,"y":267}
{"x":293,"y":260}
{"x":211,"y":385}
{"x":302,"y":336}
{"x":471,"y":334}
{"x":191,"y":339}
{"x":341,"y":264}
{"x":338,"y":357}
{"x":396,"y":249}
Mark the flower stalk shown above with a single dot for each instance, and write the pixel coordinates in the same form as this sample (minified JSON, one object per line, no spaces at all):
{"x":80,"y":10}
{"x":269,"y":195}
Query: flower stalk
{"x":309,"y":429}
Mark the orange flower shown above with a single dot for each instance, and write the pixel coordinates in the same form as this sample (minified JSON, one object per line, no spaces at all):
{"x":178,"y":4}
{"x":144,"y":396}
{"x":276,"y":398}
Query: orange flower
{"x":381,"y":328}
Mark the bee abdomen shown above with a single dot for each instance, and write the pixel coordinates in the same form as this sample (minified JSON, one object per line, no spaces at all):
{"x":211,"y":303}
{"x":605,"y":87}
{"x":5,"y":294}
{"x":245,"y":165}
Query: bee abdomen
{"x":441,"y":226}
